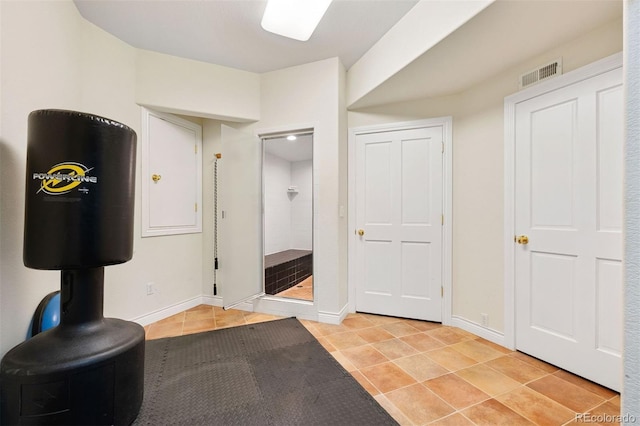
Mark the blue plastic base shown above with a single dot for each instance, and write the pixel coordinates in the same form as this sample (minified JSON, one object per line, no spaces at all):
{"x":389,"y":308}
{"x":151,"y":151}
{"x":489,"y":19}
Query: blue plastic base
{"x":47,"y":314}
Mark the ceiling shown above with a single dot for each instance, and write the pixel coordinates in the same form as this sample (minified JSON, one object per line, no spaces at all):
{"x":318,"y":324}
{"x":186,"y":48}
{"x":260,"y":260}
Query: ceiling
{"x":228,"y":32}
{"x":503,"y":35}
{"x":300,"y":149}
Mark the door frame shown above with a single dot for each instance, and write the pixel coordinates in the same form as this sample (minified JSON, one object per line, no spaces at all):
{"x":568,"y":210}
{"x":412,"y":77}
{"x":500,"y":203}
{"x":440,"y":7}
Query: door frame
{"x":275,"y":305}
{"x":510,"y":102}
{"x":446,"y":123}
{"x":263,"y":137}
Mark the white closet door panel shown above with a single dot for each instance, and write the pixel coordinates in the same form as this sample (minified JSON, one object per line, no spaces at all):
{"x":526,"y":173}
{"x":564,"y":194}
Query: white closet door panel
{"x":398,"y":209}
{"x":569,"y":203}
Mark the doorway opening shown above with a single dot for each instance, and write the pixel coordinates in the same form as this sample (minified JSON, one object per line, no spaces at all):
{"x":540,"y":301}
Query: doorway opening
{"x":287,"y":176}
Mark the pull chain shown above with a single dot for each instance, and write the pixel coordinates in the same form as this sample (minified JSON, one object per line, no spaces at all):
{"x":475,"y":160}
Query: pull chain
{"x":215,"y":223}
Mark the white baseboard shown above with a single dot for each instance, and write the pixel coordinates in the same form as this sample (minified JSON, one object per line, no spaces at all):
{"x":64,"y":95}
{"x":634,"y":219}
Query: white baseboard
{"x":333,"y":317}
{"x":472,"y":327}
{"x":302,"y":310}
{"x":244,"y":306}
{"x":168,"y":311}
{"x":207,"y":299}
{"x":217,"y":301}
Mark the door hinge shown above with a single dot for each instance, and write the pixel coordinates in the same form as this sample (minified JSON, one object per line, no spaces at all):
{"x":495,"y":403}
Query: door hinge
{"x":196,"y":147}
{"x":196,"y":207}
{"x":442,"y":218}
{"x":442,"y":147}
{"x":441,"y":291}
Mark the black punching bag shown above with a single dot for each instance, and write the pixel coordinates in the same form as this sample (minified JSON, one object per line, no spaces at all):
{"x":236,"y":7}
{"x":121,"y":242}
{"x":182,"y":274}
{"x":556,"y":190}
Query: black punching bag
{"x":79,"y":205}
{"x":80,"y":188}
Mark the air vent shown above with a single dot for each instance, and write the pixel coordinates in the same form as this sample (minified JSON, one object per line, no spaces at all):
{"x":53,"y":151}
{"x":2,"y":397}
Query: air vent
{"x":544,"y":72}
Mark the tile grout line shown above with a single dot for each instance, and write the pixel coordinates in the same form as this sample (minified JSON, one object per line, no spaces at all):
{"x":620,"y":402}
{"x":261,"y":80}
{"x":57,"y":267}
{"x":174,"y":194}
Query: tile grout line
{"x":543,"y":396}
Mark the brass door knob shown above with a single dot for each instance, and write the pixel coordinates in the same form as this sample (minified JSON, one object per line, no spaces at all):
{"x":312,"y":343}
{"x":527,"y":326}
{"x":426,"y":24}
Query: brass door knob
{"x":522,"y":239}
{"x":361,"y":232}
{"x":156,"y":178}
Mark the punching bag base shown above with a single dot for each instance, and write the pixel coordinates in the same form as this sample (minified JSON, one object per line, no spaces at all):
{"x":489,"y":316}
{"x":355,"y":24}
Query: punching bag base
{"x":90,"y":374}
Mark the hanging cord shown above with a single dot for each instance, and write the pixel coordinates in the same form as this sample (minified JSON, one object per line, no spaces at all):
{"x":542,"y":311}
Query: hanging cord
{"x":215,"y":223}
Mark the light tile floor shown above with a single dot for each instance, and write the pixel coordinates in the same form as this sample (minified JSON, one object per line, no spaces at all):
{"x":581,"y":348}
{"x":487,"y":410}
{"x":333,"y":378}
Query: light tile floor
{"x":425,"y":373}
{"x":303,"y":290}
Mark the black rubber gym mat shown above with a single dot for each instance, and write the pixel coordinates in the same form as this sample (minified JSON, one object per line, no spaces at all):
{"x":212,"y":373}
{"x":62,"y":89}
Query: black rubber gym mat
{"x":271,"y":373}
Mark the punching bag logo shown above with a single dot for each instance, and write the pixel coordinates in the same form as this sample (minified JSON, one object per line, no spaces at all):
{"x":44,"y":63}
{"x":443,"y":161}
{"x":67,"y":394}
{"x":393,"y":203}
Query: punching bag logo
{"x":63,"y":177}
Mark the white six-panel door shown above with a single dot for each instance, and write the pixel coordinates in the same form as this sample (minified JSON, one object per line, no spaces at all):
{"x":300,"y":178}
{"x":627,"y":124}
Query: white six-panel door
{"x":399,"y":213}
{"x":568,"y":203}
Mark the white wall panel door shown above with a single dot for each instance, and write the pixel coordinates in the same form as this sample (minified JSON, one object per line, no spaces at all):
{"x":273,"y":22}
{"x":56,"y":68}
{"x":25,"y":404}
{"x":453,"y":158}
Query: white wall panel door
{"x":568,"y":202}
{"x":172,"y":175}
{"x":399,"y":212}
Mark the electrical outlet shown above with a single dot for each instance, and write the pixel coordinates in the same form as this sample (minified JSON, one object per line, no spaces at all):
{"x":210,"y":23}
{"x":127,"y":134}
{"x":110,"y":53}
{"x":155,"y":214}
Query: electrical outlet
{"x":485,"y":319}
{"x":150,"y":289}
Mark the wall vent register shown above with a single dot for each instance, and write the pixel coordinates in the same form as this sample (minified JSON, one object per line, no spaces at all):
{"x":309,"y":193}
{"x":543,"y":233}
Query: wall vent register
{"x":541,"y":73}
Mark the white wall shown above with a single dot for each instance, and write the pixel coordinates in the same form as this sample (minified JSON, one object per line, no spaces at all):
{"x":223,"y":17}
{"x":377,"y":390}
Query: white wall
{"x":172,"y":263}
{"x":288,"y":216}
{"x":277,"y":205}
{"x":425,"y":25}
{"x":301,"y":205}
{"x":298,"y":98}
{"x":210,"y":146}
{"x":71,"y":64}
{"x":212,"y":91}
{"x":478,"y":185}
{"x":343,"y":187}
{"x":39,"y":70}
{"x":282,"y":107}
{"x":631,"y":385}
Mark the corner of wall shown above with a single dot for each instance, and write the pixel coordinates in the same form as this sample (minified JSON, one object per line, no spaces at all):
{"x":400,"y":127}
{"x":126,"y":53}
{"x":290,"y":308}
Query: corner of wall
{"x":1,"y":137}
{"x":631,"y":383}
{"x":424,"y":26}
{"x":211,"y":141}
{"x":343,"y":187}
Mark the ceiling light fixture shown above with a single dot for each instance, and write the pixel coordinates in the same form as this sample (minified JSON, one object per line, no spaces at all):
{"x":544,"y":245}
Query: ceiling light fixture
{"x":295,"y":19}
{"x":291,"y":138}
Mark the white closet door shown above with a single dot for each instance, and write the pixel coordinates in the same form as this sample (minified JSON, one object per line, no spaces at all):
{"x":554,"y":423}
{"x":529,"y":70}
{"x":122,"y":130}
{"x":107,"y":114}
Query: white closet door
{"x":569,"y":206}
{"x":399,"y":214}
